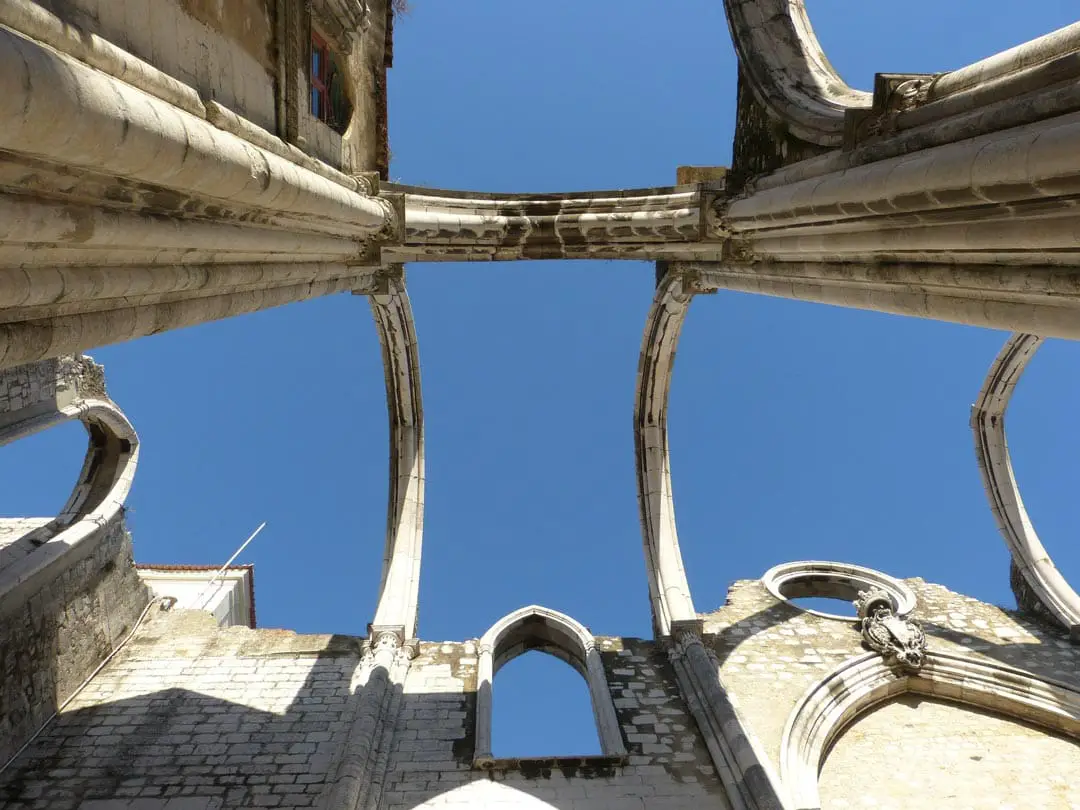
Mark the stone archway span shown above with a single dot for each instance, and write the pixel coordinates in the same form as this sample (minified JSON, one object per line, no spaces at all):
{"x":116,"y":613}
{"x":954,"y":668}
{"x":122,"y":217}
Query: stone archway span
{"x":861,"y":683}
{"x":787,"y":69}
{"x":669,"y":591}
{"x":399,"y":588}
{"x":995,"y":466}
{"x":549,"y":631}
{"x":106,"y":476}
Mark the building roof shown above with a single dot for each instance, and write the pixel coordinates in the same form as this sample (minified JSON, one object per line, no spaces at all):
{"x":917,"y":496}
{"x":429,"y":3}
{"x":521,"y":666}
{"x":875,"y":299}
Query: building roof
{"x":249,"y":568}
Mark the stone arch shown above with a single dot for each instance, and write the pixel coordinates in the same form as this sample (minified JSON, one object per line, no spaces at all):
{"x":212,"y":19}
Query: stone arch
{"x":669,"y":590}
{"x":862,"y":683}
{"x":782,"y":60}
{"x":995,"y":466}
{"x":539,"y":628}
{"x":399,"y":588}
{"x":71,"y":388}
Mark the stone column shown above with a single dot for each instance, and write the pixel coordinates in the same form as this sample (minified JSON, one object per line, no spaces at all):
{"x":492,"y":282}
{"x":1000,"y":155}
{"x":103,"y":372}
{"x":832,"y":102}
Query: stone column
{"x":358,"y":779}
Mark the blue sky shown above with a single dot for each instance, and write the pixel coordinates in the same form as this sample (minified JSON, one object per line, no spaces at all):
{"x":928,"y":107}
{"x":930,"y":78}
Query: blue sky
{"x":798,"y":431}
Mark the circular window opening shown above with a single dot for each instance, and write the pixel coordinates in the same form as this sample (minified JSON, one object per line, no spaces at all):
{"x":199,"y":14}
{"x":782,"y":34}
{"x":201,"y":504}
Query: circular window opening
{"x":830,"y":589}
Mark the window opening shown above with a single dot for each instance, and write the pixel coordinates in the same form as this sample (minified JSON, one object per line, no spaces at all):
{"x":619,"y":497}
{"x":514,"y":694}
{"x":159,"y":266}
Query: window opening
{"x":329,"y":99}
{"x":539,"y":629}
{"x":541,"y":706}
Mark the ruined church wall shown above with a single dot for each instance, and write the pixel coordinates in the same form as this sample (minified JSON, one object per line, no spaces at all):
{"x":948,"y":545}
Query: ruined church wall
{"x":188,"y":711}
{"x":897,"y":755}
{"x":667,"y":765}
{"x":232,"y":718}
{"x":51,"y":640}
{"x":771,"y":653}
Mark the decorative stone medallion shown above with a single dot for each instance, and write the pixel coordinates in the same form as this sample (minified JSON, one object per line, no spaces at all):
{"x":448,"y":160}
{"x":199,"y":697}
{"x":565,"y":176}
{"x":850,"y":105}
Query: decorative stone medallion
{"x":893,"y":636}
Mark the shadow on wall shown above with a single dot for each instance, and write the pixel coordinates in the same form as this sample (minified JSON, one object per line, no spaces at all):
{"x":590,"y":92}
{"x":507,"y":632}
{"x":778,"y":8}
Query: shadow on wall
{"x":51,"y":640}
{"x":158,"y":743}
{"x":1043,"y":657}
{"x":232,"y":719}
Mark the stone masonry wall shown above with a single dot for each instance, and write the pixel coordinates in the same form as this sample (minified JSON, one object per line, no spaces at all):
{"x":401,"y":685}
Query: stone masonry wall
{"x":30,"y":390}
{"x":771,"y":652}
{"x":25,"y":386}
{"x":50,"y":642}
{"x":667,"y":765}
{"x":191,"y":715}
{"x":913,"y":752}
{"x":14,"y":541}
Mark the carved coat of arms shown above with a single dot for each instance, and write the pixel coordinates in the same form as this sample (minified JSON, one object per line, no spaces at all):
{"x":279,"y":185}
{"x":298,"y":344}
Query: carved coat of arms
{"x":895,"y":637}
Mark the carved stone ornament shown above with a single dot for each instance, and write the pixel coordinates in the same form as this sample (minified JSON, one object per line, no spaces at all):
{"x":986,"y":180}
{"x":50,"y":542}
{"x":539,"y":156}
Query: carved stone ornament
{"x":895,"y":637}
{"x":894,"y":93}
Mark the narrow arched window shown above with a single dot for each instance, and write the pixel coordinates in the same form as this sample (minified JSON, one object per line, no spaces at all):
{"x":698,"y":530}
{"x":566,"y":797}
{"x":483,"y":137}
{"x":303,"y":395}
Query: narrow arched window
{"x":329,"y":96}
{"x":538,"y":628}
{"x":543,"y":706}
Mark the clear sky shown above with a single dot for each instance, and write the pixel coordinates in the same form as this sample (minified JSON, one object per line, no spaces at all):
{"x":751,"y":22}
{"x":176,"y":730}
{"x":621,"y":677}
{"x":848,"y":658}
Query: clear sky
{"x":798,"y":430}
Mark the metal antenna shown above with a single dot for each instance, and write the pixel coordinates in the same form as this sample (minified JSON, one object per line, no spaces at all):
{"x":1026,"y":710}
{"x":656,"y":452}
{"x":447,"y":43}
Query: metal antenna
{"x":225,"y":567}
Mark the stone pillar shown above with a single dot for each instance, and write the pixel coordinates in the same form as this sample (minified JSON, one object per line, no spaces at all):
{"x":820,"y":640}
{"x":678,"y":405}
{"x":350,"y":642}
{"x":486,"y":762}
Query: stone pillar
{"x":358,"y":780}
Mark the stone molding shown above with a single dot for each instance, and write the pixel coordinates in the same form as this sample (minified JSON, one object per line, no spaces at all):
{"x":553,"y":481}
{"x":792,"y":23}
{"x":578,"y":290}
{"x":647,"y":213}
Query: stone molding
{"x":1042,"y":299}
{"x":36,"y":22}
{"x":399,"y":588}
{"x":447,"y":225}
{"x":128,"y":133}
{"x":669,"y":590}
{"x":340,"y":20}
{"x":837,"y":581}
{"x":119,"y":321}
{"x":861,"y":683}
{"x":539,"y":628}
{"x":102,"y":485}
{"x":995,"y":467}
{"x":981,"y":196}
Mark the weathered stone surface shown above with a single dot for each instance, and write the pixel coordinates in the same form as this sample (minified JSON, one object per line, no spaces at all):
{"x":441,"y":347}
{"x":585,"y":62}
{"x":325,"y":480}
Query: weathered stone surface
{"x":771,"y":652}
{"x":667,"y":765}
{"x":51,"y":642}
{"x":761,"y":144}
{"x":188,"y":710}
{"x":913,"y":752}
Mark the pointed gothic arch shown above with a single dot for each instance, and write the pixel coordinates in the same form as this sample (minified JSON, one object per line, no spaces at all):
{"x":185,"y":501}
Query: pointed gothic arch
{"x":545,"y":630}
{"x":862,"y":683}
